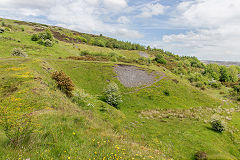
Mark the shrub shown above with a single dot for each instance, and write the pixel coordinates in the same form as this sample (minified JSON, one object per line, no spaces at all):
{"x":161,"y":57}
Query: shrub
{"x":166,"y":92}
{"x":34,"y":37}
{"x":41,"y":41}
{"x":44,"y":38}
{"x":149,"y":61}
{"x":78,"y":99}
{"x":99,"y":43}
{"x":199,"y":84}
{"x":217,"y":126}
{"x":2,"y":30}
{"x":236,"y":88}
{"x":22,"y":29}
{"x":238,"y":98}
{"x":200,"y":156}
{"x":113,"y":54}
{"x":203,"y":88}
{"x":84,"y":53}
{"x":46,"y":35}
{"x":3,"y":24}
{"x":113,"y":59}
{"x":112,"y":95}
{"x":159,"y":58}
{"x":64,"y":83}
{"x":216,"y":85}
{"x":221,"y":92}
{"x":48,"y":43}
{"x":81,"y":39}
{"x":175,"y":81}
{"x":18,"y":52}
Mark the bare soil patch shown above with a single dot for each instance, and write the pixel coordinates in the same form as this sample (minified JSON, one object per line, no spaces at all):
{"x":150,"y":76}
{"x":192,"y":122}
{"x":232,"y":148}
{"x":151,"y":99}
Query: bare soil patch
{"x":143,"y":54}
{"x":132,"y":76}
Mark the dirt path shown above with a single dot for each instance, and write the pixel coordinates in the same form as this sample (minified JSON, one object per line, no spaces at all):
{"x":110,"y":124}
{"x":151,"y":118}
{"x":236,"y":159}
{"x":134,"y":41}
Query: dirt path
{"x":132,"y":76}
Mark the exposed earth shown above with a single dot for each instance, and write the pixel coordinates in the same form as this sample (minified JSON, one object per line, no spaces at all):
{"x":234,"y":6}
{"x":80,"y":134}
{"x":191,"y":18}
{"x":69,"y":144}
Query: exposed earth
{"x":143,"y":54}
{"x":132,"y":76}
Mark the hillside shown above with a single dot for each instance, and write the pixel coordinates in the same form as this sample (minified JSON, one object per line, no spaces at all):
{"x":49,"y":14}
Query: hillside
{"x":162,"y":114}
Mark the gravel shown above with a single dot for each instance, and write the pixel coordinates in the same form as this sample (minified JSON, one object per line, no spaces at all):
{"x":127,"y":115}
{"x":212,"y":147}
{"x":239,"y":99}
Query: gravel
{"x":132,"y":76}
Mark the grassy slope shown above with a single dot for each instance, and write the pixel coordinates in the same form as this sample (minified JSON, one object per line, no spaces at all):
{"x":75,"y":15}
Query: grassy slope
{"x":67,"y":130}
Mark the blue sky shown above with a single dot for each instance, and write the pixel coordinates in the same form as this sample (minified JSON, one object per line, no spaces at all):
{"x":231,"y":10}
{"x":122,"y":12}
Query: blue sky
{"x":207,"y":29}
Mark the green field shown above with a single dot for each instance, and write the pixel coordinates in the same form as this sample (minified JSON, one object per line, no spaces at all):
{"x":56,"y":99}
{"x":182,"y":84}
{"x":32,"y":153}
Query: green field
{"x":92,"y":129}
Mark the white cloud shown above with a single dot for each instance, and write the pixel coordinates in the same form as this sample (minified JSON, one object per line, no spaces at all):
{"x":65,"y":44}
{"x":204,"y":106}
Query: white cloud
{"x":151,"y":9}
{"x":115,"y":4}
{"x":215,"y":29}
{"x":123,"y":20}
{"x":130,"y":34}
{"x":92,"y":16}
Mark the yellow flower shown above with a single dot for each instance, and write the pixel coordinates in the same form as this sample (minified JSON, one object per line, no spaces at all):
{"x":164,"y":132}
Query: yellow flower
{"x":74,"y":133}
{"x":68,"y":157}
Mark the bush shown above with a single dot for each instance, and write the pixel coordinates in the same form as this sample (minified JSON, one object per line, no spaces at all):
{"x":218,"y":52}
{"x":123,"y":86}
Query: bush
{"x":46,"y":35}
{"x":78,"y":99}
{"x":217,"y":126}
{"x":34,"y":37}
{"x":64,"y":83}
{"x":238,"y":98}
{"x":84,"y":53}
{"x":41,"y":41}
{"x":2,"y":30}
{"x":99,"y":43}
{"x":44,"y":38}
{"x":48,"y":43}
{"x":199,"y":84}
{"x":18,"y":52}
{"x":166,"y":92}
{"x":81,"y":39}
{"x":159,"y":58}
{"x":200,"y":156}
{"x":221,"y":92}
{"x":112,"y":95}
{"x":113,"y":54}
{"x":216,"y":85}
{"x":113,"y":59}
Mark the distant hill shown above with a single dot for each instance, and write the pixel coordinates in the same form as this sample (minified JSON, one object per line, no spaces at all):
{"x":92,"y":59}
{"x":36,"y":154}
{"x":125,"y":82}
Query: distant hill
{"x":226,"y":63}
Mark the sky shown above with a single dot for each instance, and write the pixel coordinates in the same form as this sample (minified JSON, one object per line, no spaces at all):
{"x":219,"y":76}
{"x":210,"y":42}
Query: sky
{"x":207,"y":29}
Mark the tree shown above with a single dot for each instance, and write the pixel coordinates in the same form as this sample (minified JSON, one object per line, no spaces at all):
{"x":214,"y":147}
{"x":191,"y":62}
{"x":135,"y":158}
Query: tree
{"x":225,"y":75}
{"x":212,"y":71}
{"x":149,"y":48}
{"x":112,"y":94}
{"x":233,"y":73}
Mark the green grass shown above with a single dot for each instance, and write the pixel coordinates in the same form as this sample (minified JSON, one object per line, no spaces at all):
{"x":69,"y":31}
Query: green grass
{"x":93,"y":129}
